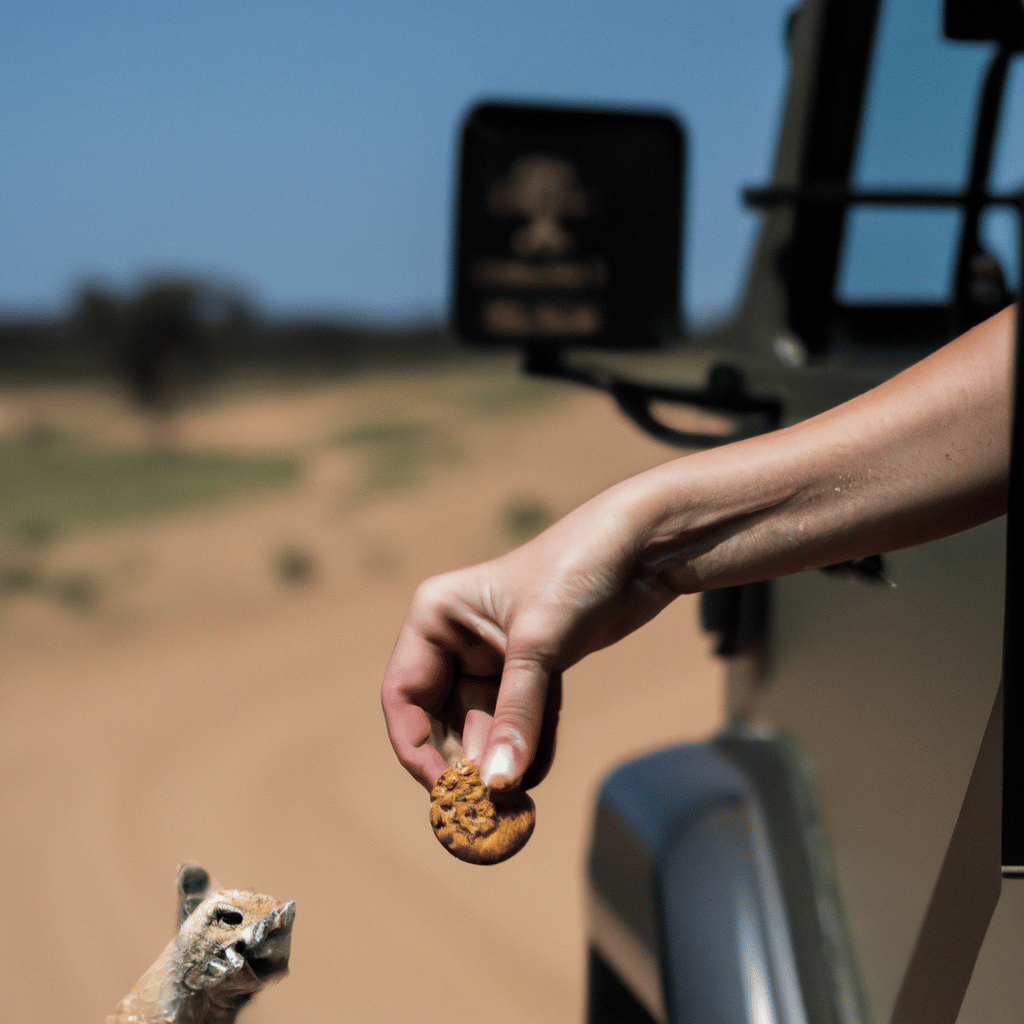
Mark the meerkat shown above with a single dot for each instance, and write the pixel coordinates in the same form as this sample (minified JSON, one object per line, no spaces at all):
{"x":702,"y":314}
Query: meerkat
{"x":230,"y":944}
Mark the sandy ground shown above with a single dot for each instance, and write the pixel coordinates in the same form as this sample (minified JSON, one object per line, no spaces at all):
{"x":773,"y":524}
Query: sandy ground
{"x":204,"y":709}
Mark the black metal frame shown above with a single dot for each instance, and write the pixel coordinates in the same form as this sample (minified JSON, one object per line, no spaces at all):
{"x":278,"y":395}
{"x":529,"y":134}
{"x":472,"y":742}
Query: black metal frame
{"x":821,"y":209}
{"x":724,"y":394}
{"x":1013,"y":640}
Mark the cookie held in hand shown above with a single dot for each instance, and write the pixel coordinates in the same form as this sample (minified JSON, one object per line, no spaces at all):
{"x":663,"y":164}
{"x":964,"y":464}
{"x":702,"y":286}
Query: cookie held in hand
{"x":474,"y":824}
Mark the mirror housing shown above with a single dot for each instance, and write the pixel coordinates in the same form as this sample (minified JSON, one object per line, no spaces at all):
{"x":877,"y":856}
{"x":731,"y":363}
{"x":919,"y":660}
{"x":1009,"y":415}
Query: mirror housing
{"x":569,"y":228}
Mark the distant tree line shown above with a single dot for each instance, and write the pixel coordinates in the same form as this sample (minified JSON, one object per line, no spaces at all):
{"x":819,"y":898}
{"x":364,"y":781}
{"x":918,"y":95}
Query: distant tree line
{"x":173,"y":334}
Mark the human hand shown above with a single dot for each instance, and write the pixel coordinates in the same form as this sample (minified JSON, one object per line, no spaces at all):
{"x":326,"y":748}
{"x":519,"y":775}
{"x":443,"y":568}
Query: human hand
{"x":922,"y":455}
{"x":481,"y":652}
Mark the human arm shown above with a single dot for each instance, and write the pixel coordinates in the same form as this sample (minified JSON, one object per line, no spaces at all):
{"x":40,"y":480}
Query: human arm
{"x":921,"y":456}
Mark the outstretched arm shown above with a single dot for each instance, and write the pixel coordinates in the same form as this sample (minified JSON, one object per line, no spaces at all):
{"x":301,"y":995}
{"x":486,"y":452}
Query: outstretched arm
{"x":923,"y":455}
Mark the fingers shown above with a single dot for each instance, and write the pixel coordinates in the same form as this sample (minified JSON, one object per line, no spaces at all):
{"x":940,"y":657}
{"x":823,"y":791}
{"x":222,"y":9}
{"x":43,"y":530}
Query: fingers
{"x":416,"y":682}
{"x":409,"y":728}
{"x":506,"y":765}
{"x":543,"y":758}
{"x":475,"y":734}
{"x":519,"y":717}
{"x":428,"y":690}
{"x":442,"y":680}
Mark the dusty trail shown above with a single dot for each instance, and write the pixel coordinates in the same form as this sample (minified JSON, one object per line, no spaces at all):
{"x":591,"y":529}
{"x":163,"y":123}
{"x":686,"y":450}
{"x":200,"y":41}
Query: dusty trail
{"x":205,"y":709}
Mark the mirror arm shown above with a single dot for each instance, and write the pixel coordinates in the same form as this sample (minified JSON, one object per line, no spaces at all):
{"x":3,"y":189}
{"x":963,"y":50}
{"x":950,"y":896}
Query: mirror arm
{"x":725,"y":394}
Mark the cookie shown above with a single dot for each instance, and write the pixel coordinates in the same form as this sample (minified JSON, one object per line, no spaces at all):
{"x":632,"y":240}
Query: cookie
{"x":474,"y":824}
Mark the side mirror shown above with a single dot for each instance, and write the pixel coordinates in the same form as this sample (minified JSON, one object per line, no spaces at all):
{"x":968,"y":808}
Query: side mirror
{"x":569,"y":228}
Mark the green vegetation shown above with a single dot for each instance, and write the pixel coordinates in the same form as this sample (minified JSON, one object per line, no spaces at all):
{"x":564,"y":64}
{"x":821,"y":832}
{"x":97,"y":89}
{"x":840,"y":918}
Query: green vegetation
{"x":524,"y":518}
{"x":510,"y":394}
{"x":397,"y":453}
{"x":171,"y":335}
{"x":295,"y":565}
{"x":16,"y":579}
{"x":54,"y":485}
{"x":77,"y":589}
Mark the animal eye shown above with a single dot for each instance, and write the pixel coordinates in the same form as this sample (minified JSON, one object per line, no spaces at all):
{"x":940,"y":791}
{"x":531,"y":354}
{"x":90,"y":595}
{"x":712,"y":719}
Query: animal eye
{"x":228,"y":915}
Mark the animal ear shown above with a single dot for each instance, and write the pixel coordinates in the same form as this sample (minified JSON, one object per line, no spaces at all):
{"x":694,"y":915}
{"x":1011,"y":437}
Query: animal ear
{"x":193,"y":885}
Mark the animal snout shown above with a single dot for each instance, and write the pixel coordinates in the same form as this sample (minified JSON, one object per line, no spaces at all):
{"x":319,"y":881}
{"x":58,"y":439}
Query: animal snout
{"x":267,"y":943}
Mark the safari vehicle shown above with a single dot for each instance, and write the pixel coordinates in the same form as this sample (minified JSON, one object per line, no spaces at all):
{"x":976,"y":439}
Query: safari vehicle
{"x":837,"y":852}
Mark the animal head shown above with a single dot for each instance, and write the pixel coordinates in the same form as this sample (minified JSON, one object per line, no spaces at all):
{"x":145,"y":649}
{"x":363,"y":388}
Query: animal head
{"x":228,"y":948}
{"x":230,"y":944}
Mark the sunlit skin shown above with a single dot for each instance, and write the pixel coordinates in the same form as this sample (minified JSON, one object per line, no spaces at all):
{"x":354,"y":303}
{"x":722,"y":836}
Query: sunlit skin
{"x":922,"y":456}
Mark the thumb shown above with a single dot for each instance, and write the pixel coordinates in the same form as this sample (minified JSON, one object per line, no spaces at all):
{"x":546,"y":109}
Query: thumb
{"x":518,"y":719}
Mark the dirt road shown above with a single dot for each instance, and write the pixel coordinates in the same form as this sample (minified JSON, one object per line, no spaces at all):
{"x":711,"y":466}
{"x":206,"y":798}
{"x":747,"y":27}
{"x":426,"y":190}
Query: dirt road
{"x":204,"y":707}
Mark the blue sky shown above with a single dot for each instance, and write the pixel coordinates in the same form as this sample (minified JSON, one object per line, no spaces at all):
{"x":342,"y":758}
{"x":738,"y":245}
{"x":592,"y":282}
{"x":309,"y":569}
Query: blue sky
{"x":305,"y":150}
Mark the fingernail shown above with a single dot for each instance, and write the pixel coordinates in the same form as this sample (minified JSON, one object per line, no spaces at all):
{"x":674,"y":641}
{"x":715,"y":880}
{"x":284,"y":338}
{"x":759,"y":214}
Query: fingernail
{"x":498,"y":766}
